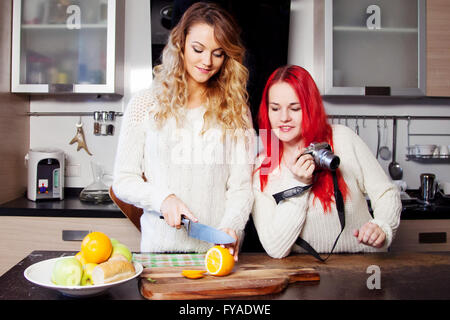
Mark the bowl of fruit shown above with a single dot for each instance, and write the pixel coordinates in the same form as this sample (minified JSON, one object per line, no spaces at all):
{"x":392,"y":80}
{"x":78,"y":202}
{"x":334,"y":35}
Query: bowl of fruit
{"x":102,"y":263}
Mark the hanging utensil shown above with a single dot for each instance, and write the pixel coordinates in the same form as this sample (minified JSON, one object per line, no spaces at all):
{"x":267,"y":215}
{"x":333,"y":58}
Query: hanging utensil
{"x":408,"y":146}
{"x":79,"y":138}
{"x":385,"y":153}
{"x":378,"y":137}
{"x":357,"y":126}
{"x":395,"y":170}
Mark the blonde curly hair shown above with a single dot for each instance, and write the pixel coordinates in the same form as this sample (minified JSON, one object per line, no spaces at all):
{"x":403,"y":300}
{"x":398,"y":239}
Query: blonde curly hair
{"x":226,"y":97}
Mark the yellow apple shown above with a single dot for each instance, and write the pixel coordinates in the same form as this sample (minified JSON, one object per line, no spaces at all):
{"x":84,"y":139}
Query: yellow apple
{"x":86,"y":280}
{"x":81,"y":258}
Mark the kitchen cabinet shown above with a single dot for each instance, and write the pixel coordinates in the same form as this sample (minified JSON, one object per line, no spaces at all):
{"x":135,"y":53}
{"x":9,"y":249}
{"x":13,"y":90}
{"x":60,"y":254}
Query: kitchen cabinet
{"x":21,"y":235}
{"x":423,"y":235}
{"x":374,"y":47}
{"x":13,"y":126}
{"x":438,"y":48}
{"x":67,"y":46}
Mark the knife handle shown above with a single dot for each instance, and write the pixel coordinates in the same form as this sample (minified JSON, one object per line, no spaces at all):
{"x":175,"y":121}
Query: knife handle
{"x":184,"y":220}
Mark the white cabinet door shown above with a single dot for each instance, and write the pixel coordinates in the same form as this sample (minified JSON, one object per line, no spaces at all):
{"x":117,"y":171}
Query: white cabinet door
{"x":71,"y":46}
{"x":374,"y":47}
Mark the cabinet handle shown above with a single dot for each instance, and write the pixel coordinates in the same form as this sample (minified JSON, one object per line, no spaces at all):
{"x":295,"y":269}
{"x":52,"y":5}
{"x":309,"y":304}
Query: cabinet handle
{"x":433,"y":237}
{"x":377,"y":91}
{"x":60,"y":88}
{"x":74,"y":235}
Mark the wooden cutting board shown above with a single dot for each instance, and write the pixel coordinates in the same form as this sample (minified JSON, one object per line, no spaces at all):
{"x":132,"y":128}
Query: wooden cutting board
{"x":168,"y":284}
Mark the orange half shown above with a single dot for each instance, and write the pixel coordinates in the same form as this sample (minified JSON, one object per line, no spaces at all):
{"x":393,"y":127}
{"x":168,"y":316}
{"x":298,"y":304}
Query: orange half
{"x":219,"y":261}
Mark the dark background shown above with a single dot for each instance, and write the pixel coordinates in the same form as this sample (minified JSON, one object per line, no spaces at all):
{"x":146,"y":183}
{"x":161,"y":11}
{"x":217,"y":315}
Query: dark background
{"x":265,"y":33}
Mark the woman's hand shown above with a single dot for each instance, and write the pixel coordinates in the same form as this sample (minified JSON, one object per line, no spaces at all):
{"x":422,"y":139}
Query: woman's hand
{"x":232,"y":247}
{"x":303,"y":167}
{"x":173,"y":209}
{"x":370,"y":234}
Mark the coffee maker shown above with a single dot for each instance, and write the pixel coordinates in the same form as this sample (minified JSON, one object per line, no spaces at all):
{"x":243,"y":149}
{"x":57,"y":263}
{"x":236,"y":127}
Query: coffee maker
{"x":45,"y":173}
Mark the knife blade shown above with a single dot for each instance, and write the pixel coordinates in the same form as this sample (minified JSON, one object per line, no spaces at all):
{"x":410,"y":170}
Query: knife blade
{"x":203,"y":232}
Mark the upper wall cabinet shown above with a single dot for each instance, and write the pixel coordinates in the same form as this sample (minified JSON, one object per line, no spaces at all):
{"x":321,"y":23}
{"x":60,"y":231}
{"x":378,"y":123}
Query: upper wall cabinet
{"x":438,"y":48}
{"x":370,"y":47}
{"x":68,"y":46}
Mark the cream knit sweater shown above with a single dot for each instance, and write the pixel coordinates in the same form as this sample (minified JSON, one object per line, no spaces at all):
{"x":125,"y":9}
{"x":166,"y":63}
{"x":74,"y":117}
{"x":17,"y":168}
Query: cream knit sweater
{"x":212,"y":178}
{"x":280,"y":225}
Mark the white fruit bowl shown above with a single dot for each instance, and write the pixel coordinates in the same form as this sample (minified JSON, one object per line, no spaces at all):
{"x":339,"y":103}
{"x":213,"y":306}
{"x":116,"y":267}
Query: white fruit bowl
{"x":41,"y":272}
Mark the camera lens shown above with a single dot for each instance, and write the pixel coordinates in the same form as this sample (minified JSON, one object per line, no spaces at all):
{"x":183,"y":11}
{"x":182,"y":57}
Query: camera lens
{"x":327,"y":159}
{"x":334,"y":163}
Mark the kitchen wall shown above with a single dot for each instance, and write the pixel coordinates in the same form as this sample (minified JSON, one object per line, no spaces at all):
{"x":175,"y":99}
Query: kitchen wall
{"x":58,"y":131}
{"x":14,"y":124}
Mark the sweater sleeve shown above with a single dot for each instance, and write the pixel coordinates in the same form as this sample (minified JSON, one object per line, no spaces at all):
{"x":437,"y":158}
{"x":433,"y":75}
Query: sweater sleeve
{"x":239,"y":195}
{"x":383,"y":194}
{"x":128,"y":183}
{"x":278,"y":226}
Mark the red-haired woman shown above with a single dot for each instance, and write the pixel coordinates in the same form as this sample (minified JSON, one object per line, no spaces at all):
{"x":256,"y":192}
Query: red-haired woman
{"x":292,"y":117}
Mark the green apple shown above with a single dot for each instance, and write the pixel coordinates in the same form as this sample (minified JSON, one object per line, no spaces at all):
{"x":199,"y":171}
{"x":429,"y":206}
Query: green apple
{"x":114,"y":241}
{"x":86,"y":280}
{"x":67,"y":271}
{"x":122,"y":249}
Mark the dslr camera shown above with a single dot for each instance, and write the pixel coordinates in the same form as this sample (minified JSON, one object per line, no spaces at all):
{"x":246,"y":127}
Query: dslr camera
{"x":323,"y":156}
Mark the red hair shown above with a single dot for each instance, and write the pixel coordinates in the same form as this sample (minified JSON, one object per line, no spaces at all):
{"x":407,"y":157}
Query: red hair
{"x":314,"y":128}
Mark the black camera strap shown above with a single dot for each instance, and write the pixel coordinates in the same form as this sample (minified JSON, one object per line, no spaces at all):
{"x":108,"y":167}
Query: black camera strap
{"x":280,"y":196}
{"x":340,"y":209}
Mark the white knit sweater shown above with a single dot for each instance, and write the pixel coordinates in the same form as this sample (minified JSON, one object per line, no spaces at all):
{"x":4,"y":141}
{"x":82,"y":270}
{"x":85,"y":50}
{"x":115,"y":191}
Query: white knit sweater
{"x":280,"y":225}
{"x":212,"y":178}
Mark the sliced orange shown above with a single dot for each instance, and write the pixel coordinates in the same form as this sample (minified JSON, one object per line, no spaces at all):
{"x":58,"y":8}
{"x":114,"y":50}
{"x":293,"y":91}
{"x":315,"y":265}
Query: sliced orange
{"x":193,"y":274}
{"x":219,"y":261}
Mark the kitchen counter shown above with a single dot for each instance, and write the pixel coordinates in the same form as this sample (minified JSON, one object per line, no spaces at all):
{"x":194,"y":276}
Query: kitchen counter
{"x":70,"y":207}
{"x":414,"y":209}
{"x":343,"y":277}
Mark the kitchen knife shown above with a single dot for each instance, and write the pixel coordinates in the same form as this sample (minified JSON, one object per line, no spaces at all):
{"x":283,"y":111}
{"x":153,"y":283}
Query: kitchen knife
{"x":203,"y":232}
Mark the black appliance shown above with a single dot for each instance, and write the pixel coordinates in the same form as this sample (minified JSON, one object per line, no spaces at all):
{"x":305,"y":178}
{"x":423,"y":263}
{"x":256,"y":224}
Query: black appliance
{"x":265,"y":34}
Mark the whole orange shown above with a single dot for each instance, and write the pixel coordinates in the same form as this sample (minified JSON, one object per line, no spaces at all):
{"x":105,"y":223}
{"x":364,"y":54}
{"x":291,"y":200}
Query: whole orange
{"x":96,"y":247}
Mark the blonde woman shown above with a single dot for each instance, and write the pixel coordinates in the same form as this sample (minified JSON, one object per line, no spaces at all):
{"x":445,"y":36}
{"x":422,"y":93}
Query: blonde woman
{"x":187,"y":135}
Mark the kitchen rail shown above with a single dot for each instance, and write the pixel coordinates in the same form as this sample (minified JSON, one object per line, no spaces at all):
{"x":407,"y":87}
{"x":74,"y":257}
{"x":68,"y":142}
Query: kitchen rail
{"x":71,"y":114}
{"x":404,"y":117}
{"x":418,"y":158}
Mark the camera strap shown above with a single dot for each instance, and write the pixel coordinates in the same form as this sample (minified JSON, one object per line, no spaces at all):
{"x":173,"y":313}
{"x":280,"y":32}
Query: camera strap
{"x":280,"y":196}
{"x":340,"y":209}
